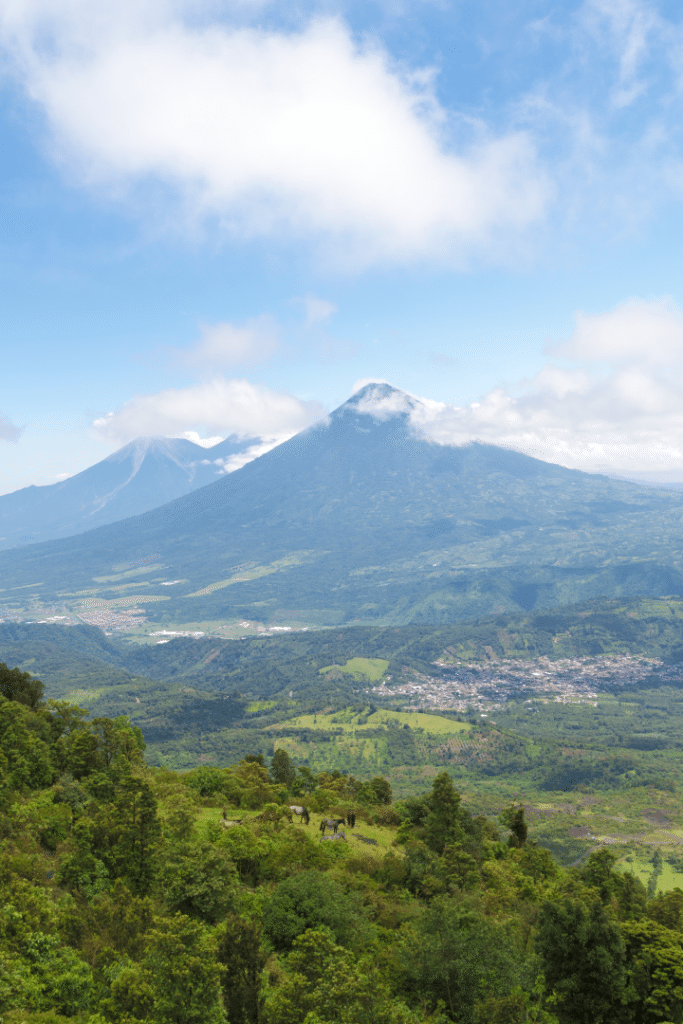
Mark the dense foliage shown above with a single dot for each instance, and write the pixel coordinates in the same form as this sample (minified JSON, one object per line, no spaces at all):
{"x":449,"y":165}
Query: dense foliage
{"x":132,"y":895}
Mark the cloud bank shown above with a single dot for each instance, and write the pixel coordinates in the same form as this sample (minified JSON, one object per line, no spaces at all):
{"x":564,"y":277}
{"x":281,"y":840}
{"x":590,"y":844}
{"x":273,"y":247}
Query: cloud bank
{"x":221,"y":406}
{"x":623,"y":418}
{"x":264,"y":131}
{"x":253,"y":121}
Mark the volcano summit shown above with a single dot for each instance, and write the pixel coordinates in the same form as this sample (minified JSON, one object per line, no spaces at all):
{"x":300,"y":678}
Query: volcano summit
{"x":361,"y":518}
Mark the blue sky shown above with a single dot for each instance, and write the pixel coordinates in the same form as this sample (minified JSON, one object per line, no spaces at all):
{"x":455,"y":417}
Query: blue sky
{"x":216,"y":219}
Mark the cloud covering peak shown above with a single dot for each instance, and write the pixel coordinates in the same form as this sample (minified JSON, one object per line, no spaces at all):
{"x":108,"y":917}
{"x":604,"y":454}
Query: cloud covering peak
{"x":614,"y":409}
{"x":225,"y":406}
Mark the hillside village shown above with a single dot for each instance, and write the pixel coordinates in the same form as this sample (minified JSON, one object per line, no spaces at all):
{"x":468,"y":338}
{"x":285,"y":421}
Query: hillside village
{"x":483,"y":688}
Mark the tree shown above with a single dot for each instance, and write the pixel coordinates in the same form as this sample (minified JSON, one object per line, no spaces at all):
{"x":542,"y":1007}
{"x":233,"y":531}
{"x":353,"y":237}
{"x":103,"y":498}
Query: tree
{"x":199,"y":881}
{"x":326,"y":984}
{"x":654,"y":959}
{"x":513,"y":818}
{"x":460,"y":868}
{"x":121,"y":921}
{"x":442,"y":826}
{"x":102,"y":745}
{"x":130,"y":834}
{"x":667,"y":909}
{"x":66,"y":982}
{"x":381,"y":789}
{"x":21,"y":687}
{"x":177,"y":982}
{"x":310,"y":899}
{"x":305,"y":782}
{"x":24,"y":741}
{"x":258,"y":789}
{"x":537,"y":863}
{"x":599,"y":872}
{"x":116,"y":737}
{"x":82,"y":870}
{"x":206,"y":781}
{"x":240,"y":952}
{"x":583,"y":958}
{"x":254,"y":759}
{"x":455,"y":956}
{"x":281,"y":768}
{"x":83,"y":756}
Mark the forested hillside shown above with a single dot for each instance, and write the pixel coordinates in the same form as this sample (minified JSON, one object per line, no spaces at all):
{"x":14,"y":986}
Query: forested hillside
{"x":135,"y":895}
{"x":213,"y":700}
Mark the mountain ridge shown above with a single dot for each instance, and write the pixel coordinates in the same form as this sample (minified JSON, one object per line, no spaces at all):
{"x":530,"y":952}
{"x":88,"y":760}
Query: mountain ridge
{"x":347,"y":521}
{"x":145,"y":473}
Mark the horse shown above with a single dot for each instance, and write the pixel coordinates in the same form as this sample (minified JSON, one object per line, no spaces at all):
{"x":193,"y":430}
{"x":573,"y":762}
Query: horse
{"x":351,"y":819}
{"x":332,"y":823}
{"x":337,"y":835}
{"x":304,"y":816}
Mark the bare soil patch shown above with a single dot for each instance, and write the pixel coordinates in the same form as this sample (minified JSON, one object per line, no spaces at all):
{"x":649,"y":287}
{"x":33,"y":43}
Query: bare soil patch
{"x":656,"y":817}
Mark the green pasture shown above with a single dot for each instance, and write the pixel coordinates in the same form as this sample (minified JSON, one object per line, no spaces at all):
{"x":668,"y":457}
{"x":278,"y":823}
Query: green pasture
{"x":260,"y":705}
{"x":384,"y":835}
{"x":362,"y":669}
{"x":638,"y":860}
{"x":352,"y":721}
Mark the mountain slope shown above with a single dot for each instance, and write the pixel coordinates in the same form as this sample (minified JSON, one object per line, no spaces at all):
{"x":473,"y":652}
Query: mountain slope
{"x":361,"y":519}
{"x":144,"y":474}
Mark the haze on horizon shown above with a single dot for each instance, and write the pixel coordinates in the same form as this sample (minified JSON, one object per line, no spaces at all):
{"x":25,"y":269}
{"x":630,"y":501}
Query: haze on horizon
{"x":222,"y":220}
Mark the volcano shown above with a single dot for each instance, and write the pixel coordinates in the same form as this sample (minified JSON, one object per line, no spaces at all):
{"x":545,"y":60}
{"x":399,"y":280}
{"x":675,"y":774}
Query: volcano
{"x":364,"y":518}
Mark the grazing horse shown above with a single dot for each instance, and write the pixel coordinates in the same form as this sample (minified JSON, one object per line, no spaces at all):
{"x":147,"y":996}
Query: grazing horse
{"x":337,"y":835}
{"x":304,"y":816}
{"x":332,"y":823}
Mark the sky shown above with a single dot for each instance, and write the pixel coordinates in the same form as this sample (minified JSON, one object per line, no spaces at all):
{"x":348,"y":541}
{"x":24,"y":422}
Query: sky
{"x":219,"y":218}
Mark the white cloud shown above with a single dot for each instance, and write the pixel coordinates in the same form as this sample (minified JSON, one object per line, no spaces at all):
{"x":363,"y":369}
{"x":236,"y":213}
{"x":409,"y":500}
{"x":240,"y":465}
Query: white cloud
{"x":626,"y":27}
{"x":8,"y":430}
{"x":221,"y":406}
{"x":649,"y":330}
{"x":240,"y":459}
{"x":317,"y":310}
{"x":362,"y":381}
{"x":380,"y":402}
{"x":306,"y":133}
{"x":627,"y":419}
{"x":203,"y":442}
{"x":225,"y":344}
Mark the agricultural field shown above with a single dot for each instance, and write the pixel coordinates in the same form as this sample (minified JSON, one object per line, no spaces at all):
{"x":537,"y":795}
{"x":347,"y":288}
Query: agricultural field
{"x":634,"y":823}
{"x":352,"y":720}
{"x":372,"y":669}
{"x":367,"y":741}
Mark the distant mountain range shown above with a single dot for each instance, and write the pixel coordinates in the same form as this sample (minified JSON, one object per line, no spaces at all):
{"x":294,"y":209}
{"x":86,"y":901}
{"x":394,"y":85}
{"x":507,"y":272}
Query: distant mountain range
{"x":146,"y":473}
{"x":360,"y":519}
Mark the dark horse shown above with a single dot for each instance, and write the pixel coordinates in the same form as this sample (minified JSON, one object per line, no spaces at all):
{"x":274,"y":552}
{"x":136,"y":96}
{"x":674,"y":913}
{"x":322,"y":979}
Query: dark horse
{"x":332,"y":823}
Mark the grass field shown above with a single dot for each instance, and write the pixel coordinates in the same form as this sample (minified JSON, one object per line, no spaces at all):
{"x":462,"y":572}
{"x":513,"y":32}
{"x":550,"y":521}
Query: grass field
{"x":260,"y":705}
{"x":383,"y":835}
{"x":638,"y":859}
{"x":362,"y":669}
{"x":353,"y":721}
